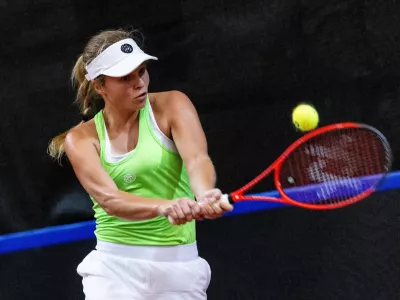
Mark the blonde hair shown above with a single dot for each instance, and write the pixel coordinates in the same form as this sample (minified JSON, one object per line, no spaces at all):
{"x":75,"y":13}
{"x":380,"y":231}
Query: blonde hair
{"x":86,"y":96}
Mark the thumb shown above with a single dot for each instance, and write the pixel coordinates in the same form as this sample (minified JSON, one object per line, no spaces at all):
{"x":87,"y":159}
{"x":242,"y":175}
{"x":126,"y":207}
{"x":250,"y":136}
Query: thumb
{"x":225,"y":206}
{"x":213,"y":193}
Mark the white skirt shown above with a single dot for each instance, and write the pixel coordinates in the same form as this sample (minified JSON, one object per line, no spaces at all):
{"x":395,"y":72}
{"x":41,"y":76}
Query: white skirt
{"x":124,"y":272}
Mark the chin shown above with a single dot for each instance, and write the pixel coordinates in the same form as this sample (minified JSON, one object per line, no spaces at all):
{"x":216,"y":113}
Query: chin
{"x":138,"y":104}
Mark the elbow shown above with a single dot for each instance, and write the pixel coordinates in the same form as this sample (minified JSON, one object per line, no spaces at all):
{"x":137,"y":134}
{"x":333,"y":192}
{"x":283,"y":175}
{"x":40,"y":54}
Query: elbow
{"x":114,"y":208}
{"x":109,"y":202}
{"x":110,"y":210}
{"x":128,"y":206}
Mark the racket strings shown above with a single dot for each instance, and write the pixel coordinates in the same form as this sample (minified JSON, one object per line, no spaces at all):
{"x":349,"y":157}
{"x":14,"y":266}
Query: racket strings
{"x":335,"y":166}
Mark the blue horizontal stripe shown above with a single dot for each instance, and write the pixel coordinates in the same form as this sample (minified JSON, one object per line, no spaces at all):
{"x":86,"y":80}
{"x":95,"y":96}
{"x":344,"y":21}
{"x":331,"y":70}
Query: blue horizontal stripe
{"x":85,"y":230}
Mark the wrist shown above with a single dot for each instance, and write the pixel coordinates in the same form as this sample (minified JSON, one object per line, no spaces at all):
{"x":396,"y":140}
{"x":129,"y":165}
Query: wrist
{"x":158,"y":209}
{"x":199,"y":195}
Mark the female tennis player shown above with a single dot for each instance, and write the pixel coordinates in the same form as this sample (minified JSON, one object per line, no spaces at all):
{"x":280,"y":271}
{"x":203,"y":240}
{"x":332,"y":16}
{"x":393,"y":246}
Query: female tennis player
{"x":142,"y":158}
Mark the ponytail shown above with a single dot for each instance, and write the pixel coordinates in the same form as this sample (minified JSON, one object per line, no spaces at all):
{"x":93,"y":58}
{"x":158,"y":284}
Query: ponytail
{"x":85,"y":97}
{"x":88,"y":100}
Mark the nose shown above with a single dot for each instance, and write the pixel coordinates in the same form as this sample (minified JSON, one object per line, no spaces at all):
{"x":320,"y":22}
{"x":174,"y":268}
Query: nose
{"x":138,"y":83}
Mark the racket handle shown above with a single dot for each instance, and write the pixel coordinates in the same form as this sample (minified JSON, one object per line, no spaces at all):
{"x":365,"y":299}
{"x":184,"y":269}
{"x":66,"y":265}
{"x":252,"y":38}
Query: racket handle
{"x":227,"y":198}
{"x":224,"y":198}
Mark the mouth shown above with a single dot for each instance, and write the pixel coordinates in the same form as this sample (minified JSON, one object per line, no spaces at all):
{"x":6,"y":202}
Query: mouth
{"x":141,"y":96}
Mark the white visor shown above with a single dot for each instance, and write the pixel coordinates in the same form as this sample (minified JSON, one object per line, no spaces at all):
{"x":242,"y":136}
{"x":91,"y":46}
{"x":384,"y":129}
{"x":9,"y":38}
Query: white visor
{"x":117,"y":60}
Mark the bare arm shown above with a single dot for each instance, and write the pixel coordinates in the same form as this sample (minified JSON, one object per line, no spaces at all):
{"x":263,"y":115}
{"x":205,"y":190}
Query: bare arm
{"x":85,"y":161}
{"x":191,"y":142}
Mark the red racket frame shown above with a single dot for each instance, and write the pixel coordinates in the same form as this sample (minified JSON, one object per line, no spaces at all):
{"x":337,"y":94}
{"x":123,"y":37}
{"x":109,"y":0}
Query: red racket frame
{"x":238,"y":195}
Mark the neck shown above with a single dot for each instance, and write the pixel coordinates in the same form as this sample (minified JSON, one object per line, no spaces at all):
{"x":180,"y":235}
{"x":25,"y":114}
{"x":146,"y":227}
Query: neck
{"x":117,"y":120}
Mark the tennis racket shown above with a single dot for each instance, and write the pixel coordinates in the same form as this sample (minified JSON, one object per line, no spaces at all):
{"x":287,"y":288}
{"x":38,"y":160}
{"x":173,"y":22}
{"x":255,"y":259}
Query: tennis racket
{"x":328,"y":168}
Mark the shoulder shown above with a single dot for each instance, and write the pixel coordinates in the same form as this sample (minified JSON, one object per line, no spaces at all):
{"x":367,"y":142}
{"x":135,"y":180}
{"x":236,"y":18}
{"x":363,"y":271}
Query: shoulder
{"x":84,"y":133}
{"x":171,"y":102}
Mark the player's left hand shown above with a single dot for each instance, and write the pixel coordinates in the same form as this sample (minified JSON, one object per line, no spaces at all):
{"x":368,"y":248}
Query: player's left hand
{"x":212,"y":205}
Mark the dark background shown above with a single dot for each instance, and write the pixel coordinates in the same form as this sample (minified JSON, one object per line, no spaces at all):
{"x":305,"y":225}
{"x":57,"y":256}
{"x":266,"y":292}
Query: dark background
{"x":245,"y":65}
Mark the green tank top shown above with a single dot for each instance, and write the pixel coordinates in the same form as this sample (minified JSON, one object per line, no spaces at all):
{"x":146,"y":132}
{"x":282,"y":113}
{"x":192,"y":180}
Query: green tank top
{"x":150,"y":170}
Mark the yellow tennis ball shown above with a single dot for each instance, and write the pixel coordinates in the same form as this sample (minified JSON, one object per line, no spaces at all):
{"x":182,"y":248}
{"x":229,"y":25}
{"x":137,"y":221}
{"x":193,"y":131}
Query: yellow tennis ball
{"x":305,"y":117}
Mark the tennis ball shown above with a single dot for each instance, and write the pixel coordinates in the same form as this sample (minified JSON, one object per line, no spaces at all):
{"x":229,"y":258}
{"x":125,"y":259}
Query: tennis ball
{"x":305,"y":117}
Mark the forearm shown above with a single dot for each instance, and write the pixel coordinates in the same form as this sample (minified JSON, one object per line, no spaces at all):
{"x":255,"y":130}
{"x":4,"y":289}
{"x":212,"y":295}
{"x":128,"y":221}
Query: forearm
{"x":201,"y":175}
{"x":131,"y":207}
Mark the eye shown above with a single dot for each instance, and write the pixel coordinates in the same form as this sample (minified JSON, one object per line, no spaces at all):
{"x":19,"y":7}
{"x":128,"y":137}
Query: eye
{"x":142,"y":71}
{"x":125,"y":78}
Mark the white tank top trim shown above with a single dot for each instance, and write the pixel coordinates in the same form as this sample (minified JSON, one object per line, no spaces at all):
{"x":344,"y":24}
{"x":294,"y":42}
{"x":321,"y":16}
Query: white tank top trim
{"x":162,"y":138}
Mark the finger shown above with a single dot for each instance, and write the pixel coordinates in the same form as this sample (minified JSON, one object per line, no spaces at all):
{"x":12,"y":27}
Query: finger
{"x":212,"y":200}
{"x":172,"y":215}
{"x":195,"y":209}
{"x":217,"y":209}
{"x":226,"y":206}
{"x":180,"y":216}
{"x":198,"y":211}
{"x":172,"y":220}
{"x":187,"y":211}
{"x":207,"y":209}
{"x":212,"y":210}
{"x":214,"y":193}
{"x":170,"y":212}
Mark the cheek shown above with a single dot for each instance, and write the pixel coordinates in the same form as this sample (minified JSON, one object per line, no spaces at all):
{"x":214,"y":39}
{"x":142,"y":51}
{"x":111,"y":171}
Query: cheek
{"x":116,"y":92}
{"x":146,"y":78}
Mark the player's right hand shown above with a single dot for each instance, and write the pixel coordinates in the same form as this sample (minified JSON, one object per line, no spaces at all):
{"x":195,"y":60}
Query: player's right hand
{"x":181,"y":210}
{"x":212,"y":205}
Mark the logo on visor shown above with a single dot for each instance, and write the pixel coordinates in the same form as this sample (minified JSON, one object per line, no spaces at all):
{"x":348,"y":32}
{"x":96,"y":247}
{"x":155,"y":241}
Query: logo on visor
{"x":126,"y":48}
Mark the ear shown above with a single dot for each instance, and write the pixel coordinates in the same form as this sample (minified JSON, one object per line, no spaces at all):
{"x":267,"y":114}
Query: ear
{"x":98,"y":87}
